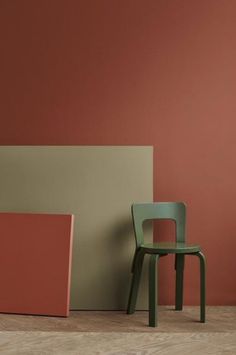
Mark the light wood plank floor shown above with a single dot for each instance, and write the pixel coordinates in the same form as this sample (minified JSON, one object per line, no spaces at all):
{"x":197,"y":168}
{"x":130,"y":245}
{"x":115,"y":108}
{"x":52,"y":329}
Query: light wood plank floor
{"x":90,"y":332}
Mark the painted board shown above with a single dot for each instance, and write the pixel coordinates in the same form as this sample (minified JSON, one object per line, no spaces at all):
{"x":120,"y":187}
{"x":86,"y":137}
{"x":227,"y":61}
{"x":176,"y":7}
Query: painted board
{"x":97,"y":185}
{"x":34,"y":274}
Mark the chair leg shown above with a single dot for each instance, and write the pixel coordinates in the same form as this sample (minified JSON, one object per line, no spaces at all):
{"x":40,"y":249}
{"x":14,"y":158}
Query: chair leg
{"x":179,"y":267}
{"x":202,"y":286}
{"x":135,"y":258}
{"x":137,"y":271}
{"x":153,"y":292}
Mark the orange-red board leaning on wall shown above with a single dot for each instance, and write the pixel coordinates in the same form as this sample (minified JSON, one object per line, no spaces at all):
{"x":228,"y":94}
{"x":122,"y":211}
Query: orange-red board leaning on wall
{"x":35,"y":263}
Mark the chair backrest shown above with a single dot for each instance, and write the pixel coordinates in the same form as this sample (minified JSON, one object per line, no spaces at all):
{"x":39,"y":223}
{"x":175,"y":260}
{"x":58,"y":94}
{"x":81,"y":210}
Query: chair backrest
{"x":159,"y":210}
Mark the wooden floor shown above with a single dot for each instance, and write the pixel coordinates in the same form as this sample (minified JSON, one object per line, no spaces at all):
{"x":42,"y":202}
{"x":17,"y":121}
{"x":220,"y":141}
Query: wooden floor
{"x":90,"y":332}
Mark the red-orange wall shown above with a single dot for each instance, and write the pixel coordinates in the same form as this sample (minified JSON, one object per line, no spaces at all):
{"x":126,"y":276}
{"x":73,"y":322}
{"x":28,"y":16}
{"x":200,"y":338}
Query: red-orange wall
{"x":136,"y":72}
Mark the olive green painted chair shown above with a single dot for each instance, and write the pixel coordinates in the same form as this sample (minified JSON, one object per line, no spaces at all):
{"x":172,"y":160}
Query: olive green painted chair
{"x":163,"y":210}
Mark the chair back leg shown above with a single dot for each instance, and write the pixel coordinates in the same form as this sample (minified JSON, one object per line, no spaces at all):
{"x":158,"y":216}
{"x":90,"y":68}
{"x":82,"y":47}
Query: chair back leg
{"x":179,"y":268}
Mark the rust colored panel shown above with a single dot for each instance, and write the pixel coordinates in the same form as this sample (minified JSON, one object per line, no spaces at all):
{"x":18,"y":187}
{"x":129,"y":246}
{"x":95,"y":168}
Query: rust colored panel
{"x":35,"y":263}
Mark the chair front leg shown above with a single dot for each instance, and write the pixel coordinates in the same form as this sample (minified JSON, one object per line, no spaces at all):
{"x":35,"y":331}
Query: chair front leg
{"x":179,"y":267}
{"x":202,"y":286}
{"x":137,"y":271}
{"x":153,"y":291}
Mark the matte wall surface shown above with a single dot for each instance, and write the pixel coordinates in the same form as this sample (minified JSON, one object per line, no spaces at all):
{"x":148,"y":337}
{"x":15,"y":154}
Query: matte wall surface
{"x":136,"y":72}
{"x":97,"y":185}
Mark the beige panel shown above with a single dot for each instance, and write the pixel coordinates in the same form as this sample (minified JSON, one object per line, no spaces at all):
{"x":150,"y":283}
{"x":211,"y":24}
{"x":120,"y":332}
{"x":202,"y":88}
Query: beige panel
{"x":98,"y":185}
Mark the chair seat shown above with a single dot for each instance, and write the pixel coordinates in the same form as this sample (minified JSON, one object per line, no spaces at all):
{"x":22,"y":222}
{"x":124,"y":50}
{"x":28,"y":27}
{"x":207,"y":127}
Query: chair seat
{"x":170,"y":248}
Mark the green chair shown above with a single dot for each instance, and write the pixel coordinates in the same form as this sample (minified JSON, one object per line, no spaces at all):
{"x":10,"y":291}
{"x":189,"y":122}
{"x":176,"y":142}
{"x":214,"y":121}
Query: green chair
{"x":163,"y":210}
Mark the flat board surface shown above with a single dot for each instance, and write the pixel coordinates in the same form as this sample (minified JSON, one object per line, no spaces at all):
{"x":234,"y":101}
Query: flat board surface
{"x":97,"y":185}
{"x":34,"y":275}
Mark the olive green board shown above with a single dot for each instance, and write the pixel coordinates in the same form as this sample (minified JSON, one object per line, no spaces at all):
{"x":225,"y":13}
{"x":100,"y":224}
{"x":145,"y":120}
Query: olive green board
{"x":97,"y":184}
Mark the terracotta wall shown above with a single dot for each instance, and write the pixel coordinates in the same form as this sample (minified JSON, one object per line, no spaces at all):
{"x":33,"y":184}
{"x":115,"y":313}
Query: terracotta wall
{"x":130,"y":72}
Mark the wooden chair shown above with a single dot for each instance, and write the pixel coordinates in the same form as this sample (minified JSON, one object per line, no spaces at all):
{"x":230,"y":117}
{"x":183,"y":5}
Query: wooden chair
{"x":163,"y":210}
